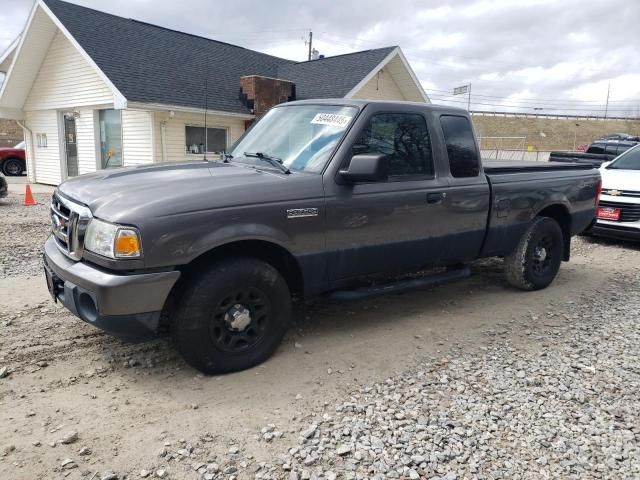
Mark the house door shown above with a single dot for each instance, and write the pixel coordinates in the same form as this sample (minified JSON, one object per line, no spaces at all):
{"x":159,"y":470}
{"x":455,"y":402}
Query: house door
{"x":70,"y":145}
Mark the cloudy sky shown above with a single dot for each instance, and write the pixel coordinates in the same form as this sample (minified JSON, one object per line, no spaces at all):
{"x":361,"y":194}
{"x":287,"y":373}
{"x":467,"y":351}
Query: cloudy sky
{"x":548,"y":56}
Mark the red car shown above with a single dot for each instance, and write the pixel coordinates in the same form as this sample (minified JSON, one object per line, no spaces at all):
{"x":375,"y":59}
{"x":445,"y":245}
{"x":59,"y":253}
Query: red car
{"x":13,"y":160}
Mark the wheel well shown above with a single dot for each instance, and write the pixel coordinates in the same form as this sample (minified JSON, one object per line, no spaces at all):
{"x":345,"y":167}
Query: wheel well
{"x":275,"y":255}
{"x":560,"y":214}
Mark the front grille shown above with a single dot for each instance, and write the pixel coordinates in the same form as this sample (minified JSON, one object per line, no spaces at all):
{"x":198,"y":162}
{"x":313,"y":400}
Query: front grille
{"x":629,"y":212}
{"x":624,"y":193}
{"x":60,"y":222}
{"x":68,"y":224}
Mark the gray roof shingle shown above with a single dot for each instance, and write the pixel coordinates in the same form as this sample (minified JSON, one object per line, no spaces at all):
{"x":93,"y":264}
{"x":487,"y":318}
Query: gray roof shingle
{"x":153,"y":64}
{"x":331,"y":77}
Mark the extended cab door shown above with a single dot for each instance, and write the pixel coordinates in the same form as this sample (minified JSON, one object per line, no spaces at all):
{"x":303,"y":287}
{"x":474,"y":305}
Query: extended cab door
{"x":469,"y":196}
{"x":394,"y":225}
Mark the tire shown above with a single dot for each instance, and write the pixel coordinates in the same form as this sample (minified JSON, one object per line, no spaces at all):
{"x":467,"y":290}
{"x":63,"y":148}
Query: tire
{"x":12,"y":167}
{"x":535,"y":262}
{"x":231,"y":316}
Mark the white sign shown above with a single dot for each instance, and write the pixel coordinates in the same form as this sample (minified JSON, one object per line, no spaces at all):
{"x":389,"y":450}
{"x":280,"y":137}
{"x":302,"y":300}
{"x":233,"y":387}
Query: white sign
{"x":331,"y":119}
{"x":460,"y":90}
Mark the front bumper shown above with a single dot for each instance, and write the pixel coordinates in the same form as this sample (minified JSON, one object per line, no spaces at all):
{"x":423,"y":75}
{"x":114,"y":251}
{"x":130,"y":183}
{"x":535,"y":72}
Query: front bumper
{"x":126,"y":305}
{"x":623,"y":231}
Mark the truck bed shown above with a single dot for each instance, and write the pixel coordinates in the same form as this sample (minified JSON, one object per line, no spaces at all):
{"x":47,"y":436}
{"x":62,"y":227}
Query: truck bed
{"x":501,"y":166}
{"x":596,"y":159}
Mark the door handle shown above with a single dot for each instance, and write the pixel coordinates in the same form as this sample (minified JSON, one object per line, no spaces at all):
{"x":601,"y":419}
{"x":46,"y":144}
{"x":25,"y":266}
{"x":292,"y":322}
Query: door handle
{"x":436,"y":197}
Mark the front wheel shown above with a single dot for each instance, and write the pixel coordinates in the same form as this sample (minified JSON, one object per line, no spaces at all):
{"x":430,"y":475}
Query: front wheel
{"x":232,"y":316}
{"x":535,"y":262}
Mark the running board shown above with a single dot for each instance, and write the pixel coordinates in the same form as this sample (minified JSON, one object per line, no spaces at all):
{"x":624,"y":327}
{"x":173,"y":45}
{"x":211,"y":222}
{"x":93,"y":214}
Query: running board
{"x":401,"y":286}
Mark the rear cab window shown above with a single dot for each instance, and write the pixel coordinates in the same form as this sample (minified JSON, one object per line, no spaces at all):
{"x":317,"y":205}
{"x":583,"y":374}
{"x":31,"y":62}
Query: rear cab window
{"x":461,"y":146}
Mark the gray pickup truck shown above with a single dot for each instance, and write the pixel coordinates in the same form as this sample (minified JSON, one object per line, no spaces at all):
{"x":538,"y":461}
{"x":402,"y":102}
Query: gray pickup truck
{"x":314,"y":198}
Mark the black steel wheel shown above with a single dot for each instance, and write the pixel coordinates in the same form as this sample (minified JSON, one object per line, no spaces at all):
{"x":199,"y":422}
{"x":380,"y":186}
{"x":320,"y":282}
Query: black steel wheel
{"x":241,"y":320}
{"x":231,"y":316}
{"x":535,"y":261}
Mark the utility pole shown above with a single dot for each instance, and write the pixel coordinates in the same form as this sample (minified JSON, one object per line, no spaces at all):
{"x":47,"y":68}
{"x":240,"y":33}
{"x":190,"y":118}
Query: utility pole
{"x":469,"y":99}
{"x":310,"y":43}
{"x":606,"y":108}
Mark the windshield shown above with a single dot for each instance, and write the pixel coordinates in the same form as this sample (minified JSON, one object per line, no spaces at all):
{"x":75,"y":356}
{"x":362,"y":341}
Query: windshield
{"x":629,"y":160}
{"x":20,"y":145}
{"x":300,"y":137}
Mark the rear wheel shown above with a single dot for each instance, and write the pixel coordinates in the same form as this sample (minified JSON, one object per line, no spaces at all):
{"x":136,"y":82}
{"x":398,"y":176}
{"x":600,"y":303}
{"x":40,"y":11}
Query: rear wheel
{"x":12,"y":167}
{"x":232,"y":316}
{"x":535,"y":262}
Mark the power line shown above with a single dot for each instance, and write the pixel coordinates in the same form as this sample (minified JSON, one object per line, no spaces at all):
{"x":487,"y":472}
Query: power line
{"x":537,"y":100}
{"x":586,"y":108}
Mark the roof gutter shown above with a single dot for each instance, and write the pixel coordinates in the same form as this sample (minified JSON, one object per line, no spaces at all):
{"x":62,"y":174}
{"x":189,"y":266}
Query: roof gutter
{"x":179,"y":108}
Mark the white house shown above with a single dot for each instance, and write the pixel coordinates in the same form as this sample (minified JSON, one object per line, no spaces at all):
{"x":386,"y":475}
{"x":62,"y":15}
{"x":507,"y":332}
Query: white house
{"x":92,"y":90}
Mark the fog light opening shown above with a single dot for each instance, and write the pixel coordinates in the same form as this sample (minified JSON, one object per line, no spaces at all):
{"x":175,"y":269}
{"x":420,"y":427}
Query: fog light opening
{"x":87,"y":307}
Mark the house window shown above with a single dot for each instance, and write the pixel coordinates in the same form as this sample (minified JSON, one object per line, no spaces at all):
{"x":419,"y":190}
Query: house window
{"x":41,"y":140}
{"x":110,"y":138}
{"x":195,"y":143}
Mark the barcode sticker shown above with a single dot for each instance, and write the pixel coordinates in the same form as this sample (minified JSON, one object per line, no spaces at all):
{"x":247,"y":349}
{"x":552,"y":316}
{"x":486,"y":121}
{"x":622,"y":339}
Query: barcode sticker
{"x":331,"y":119}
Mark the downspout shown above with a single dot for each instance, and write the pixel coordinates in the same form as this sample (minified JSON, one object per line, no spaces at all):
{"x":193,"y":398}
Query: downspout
{"x":163,"y":139}
{"x":30,"y":161}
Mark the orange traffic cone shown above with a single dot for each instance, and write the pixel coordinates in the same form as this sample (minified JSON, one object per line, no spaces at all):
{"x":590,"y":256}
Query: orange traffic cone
{"x":28,"y":197}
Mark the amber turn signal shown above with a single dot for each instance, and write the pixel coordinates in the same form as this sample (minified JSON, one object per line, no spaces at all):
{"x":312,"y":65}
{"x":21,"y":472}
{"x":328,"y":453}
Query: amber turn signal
{"x":127,"y":244}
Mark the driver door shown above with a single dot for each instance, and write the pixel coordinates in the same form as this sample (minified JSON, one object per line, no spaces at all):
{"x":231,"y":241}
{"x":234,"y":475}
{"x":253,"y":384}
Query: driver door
{"x":393,"y":225}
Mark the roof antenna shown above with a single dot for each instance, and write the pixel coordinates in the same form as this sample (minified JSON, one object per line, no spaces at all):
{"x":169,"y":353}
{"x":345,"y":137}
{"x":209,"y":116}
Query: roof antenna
{"x":206,"y":146}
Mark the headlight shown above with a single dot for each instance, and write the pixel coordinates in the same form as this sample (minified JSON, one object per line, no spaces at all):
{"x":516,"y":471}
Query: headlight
{"x":113,"y":241}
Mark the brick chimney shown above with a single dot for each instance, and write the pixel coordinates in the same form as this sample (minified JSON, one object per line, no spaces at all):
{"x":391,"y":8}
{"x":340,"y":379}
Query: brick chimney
{"x":261,"y":93}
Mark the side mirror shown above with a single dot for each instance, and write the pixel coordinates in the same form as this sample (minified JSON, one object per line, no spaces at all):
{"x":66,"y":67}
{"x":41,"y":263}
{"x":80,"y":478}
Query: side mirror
{"x":367,"y":168}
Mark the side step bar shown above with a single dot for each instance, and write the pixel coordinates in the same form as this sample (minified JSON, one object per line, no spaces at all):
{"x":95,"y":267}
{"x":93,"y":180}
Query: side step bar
{"x":401,"y":286}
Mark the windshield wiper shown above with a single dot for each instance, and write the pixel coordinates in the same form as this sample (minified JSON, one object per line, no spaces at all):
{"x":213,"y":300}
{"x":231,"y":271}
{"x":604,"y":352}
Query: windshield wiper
{"x":273,"y":161}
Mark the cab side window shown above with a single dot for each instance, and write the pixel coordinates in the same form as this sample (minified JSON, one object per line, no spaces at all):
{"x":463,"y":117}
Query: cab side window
{"x":404,"y":138}
{"x":461,"y":146}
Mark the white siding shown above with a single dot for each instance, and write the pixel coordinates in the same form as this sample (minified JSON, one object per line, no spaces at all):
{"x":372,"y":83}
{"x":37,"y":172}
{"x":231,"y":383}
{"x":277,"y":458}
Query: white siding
{"x":137,"y":137}
{"x":86,"y":138}
{"x":381,"y":87}
{"x":66,"y":80}
{"x":175,"y":132}
{"x":47,"y":159}
{"x":393,"y":82}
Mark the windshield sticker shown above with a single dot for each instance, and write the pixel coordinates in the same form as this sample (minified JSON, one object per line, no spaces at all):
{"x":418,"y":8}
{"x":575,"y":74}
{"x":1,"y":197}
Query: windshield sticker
{"x":331,"y":119}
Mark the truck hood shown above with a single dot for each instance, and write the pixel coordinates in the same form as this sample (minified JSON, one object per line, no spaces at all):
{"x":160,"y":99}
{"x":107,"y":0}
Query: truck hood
{"x":129,"y":195}
{"x":620,"y":179}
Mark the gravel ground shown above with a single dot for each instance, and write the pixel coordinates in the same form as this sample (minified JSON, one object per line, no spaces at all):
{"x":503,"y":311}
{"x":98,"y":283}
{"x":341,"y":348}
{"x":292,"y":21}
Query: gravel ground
{"x":22,"y":234}
{"x":568,"y":409}
{"x":490,"y":384}
{"x":551,"y":407}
